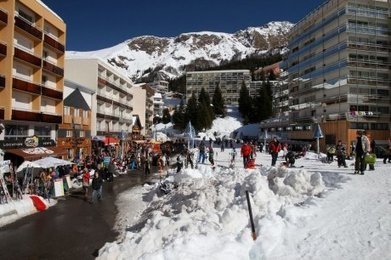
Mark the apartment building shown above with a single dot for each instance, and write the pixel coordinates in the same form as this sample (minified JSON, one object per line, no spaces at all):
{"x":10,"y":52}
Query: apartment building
{"x":229,"y":81}
{"x":339,"y":71}
{"x":158,"y":105}
{"x":111,"y":107}
{"x":74,"y":134}
{"x":32,"y":45}
{"x":160,"y":86}
{"x":149,"y":108}
{"x":139,"y":109}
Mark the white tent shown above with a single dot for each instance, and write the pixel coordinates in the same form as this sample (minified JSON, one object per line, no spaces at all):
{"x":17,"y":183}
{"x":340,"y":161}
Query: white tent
{"x":49,"y":162}
{"x":27,"y":164}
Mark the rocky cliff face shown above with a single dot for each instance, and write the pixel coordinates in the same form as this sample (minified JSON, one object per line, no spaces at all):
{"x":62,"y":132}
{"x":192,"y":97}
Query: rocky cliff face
{"x":164,"y":58}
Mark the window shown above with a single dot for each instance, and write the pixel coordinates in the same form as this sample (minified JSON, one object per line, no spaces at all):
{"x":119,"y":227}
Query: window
{"x":42,"y":131}
{"x":76,"y":112}
{"x":67,"y":110}
{"x":82,"y":134}
{"x":85,"y":113}
{"x":15,"y":132}
{"x":69,"y":133}
{"x":26,"y":16}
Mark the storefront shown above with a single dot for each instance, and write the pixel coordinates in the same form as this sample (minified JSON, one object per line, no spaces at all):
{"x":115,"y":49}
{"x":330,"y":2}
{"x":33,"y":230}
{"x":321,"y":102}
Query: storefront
{"x":30,"y":148}
{"x":78,"y":147}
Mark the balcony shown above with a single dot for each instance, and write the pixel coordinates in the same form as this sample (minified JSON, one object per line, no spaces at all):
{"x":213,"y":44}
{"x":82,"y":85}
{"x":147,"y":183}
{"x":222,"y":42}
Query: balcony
{"x":28,"y":27}
{"x":27,"y":57}
{"x":3,"y":49}
{"x":48,"y":92}
{"x":53,"y":68}
{"x":53,"y":43}
{"x":36,"y":116}
{"x":26,"y":86}
{"x":2,"y":81}
{"x":3,"y":16}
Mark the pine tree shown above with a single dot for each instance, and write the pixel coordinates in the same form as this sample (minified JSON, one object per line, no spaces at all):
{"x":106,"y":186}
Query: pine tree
{"x":204,"y":99}
{"x":178,"y":117}
{"x":191,"y":112}
{"x":244,"y":101}
{"x":166,"y":116}
{"x":218,"y":102}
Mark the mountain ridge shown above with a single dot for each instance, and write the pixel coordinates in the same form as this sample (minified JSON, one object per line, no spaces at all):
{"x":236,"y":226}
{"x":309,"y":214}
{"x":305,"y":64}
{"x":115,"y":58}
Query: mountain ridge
{"x":166,"y":58}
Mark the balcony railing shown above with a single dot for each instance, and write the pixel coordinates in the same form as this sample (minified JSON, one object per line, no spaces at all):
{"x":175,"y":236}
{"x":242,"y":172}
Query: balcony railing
{"x":52,"y":68}
{"x":25,"y":56}
{"x":3,"y":16}
{"x":53,"y":43}
{"x":2,"y":81}
{"x":26,"y":86}
{"x":18,"y":114}
{"x":3,"y":48}
{"x":48,"y":92}
{"x":28,"y":27}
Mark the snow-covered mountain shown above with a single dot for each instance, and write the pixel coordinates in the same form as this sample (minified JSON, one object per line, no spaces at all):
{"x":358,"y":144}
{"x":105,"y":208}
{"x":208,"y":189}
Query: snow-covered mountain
{"x":168,"y":57}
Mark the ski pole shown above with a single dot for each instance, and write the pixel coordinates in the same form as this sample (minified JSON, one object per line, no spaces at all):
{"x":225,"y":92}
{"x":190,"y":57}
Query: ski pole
{"x":253,"y":234}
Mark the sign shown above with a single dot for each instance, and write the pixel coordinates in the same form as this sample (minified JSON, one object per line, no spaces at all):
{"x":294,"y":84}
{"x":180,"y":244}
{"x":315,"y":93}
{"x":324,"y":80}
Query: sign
{"x":106,"y":160}
{"x":27,"y":142}
{"x":31,"y":141}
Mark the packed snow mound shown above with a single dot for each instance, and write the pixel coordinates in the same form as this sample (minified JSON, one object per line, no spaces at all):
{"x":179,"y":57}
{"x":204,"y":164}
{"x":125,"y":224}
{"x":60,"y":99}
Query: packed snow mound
{"x":208,"y":211}
{"x":224,"y":126}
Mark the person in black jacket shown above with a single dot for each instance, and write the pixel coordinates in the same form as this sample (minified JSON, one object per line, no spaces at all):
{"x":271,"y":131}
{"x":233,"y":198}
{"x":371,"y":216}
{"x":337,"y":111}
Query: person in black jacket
{"x":96,"y":187}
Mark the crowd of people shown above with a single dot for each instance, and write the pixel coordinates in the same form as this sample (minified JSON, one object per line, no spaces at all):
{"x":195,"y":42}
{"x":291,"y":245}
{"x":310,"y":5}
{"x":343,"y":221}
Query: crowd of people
{"x":103,"y":164}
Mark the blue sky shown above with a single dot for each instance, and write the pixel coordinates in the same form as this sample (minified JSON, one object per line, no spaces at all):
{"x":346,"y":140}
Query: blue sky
{"x":93,"y":24}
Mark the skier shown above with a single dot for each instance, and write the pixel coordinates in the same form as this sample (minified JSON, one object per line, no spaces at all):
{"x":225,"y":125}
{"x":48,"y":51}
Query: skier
{"x":290,"y":159}
{"x":147,"y":164}
{"x":189,"y":158}
{"x":233,"y":156}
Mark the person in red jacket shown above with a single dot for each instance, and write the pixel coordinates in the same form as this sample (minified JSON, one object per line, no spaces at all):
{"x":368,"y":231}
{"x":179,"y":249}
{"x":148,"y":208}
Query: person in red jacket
{"x":245,"y":152}
{"x":274,"y":148}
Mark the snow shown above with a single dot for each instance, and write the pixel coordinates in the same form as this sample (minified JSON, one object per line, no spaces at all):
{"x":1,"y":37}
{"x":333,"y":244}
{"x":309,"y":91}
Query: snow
{"x":17,"y":209}
{"x":317,"y":211}
{"x":173,"y":54}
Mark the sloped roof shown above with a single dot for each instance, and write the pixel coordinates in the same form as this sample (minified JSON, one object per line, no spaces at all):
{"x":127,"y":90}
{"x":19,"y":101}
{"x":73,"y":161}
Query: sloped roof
{"x":76,"y":100}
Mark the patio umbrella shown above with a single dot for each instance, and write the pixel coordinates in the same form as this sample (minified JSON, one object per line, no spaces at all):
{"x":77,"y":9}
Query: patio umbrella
{"x":317,"y":135}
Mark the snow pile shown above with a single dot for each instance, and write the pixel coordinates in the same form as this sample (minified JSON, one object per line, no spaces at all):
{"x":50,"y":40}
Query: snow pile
{"x":206,"y":216}
{"x":17,"y":209}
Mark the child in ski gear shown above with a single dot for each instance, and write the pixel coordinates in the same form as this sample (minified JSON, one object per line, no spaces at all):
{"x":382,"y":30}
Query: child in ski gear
{"x":233,"y":154}
{"x":362,"y":148}
{"x":245,"y":152}
{"x":330,"y":153}
{"x":274,"y":149}
{"x":341,"y":154}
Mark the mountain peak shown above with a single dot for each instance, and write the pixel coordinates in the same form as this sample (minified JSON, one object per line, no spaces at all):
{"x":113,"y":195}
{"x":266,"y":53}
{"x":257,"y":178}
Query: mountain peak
{"x":156,"y":57}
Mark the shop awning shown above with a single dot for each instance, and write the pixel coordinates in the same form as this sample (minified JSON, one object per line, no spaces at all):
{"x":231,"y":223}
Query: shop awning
{"x":36,"y":153}
{"x":109,"y":140}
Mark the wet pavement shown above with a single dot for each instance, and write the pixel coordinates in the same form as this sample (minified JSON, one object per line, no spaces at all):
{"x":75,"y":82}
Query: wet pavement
{"x":72,"y":229}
